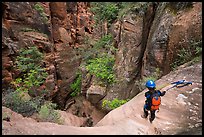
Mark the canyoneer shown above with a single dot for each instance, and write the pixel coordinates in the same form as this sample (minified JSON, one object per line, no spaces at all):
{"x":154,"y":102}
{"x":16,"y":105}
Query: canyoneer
{"x":153,"y":100}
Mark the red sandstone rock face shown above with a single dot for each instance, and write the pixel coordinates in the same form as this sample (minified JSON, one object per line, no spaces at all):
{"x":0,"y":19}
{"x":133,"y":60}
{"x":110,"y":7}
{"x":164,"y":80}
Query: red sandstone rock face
{"x":16,"y":17}
{"x":59,"y":18}
{"x":170,"y":33}
{"x":68,"y":23}
{"x":62,"y":27}
{"x":186,"y":28}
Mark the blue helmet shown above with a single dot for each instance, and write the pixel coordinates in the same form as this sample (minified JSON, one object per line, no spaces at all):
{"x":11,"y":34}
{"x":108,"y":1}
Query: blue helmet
{"x":150,"y":84}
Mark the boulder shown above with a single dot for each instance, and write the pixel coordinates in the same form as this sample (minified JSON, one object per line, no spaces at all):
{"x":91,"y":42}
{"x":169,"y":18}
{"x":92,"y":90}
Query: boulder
{"x":65,"y":37}
{"x":70,"y":119}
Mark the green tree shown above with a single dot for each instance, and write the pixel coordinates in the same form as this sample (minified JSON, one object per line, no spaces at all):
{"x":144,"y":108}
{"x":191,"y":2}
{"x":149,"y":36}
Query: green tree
{"x":114,"y":103}
{"x":102,"y":68}
{"x":29,"y":63}
{"x":47,"y":113}
{"x":104,"y":11}
{"x":40,"y":9}
{"x":76,"y":85}
{"x":99,"y":60}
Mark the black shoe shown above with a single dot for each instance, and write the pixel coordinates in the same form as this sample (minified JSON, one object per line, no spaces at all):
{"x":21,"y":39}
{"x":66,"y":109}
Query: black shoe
{"x":150,"y":120}
{"x":143,"y":116}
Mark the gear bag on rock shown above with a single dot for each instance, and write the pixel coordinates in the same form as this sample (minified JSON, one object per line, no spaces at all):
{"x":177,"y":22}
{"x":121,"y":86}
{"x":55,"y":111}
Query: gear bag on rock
{"x":156,"y":101}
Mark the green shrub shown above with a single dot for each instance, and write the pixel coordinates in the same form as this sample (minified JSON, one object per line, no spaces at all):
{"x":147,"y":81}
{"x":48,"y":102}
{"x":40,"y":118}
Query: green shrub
{"x":99,"y":61}
{"x":35,"y":78}
{"x":76,"y":85}
{"x":31,"y":77}
{"x":96,"y":48}
{"x":28,"y":62}
{"x":114,"y":103}
{"x":196,"y":59}
{"x":105,"y":40}
{"x":29,"y":59}
{"x":48,"y":113}
{"x":154,"y":76}
{"x":111,"y":11}
{"x":21,"y":104}
{"x":136,"y":8}
{"x":33,"y":30}
{"x":40,"y":9}
{"x":29,"y":30}
{"x":174,"y":7}
{"x":104,"y":11}
{"x":105,"y":45}
{"x":101,"y":64}
{"x":102,"y":68}
{"x":188,"y":54}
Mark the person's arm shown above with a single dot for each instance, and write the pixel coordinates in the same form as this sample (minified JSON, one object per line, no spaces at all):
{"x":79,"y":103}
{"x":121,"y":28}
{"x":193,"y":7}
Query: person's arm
{"x":148,"y":99}
{"x":147,"y":95}
{"x":162,"y":93}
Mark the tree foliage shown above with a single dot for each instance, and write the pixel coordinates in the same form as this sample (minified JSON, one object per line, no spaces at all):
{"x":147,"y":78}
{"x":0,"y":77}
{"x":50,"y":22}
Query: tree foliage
{"x":110,"y":11}
{"x":47,"y":113}
{"x":188,"y":53}
{"x":76,"y":85}
{"x":114,"y":103}
{"x":29,"y":63}
{"x":101,"y":61}
{"x":104,"y":11}
{"x":177,"y":6}
{"x":40,"y":9}
{"x":21,"y":103}
{"x":102,"y":68}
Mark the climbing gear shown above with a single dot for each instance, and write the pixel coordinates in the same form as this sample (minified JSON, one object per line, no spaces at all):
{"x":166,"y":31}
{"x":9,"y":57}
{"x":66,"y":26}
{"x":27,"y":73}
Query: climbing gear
{"x":150,"y":84}
{"x":156,"y":101}
{"x":183,"y":84}
{"x":180,"y":83}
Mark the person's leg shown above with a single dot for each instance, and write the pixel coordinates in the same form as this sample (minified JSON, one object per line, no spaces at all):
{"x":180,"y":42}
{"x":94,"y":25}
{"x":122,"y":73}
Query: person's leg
{"x":145,"y":112}
{"x":152,"y":115}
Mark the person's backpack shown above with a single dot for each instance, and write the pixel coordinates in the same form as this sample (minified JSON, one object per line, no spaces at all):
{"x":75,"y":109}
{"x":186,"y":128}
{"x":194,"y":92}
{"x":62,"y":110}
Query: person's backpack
{"x":156,"y":101}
